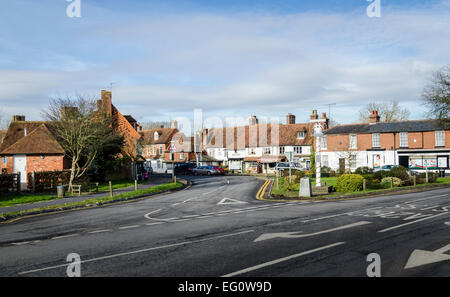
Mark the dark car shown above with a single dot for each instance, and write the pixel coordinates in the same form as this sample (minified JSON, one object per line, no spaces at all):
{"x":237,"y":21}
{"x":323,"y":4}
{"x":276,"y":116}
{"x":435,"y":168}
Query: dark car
{"x":205,"y":170}
{"x":184,"y":168}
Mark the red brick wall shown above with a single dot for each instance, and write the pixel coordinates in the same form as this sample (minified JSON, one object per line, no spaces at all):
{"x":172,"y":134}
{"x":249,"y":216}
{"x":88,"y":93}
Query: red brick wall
{"x":49,"y":163}
{"x":9,"y":164}
{"x":424,"y":140}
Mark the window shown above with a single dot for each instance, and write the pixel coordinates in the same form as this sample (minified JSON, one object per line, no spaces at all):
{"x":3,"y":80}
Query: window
{"x":352,"y":142}
{"x":352,"y":160}
{"x":156,"y":135}
{"x":297,"y":149}
{"x":160,"y":150}
{"x":282,"y":150}
{"x":324,"y":159}
{"x":439,"y":138}
{"x":323,"y":142}
{"x":301,"y":134}
{"x":267,"y":151}
{"x":181,"y":156}
{"x":403,"y":139}
{"x":376,"y":140}
{"x":154,"y":150}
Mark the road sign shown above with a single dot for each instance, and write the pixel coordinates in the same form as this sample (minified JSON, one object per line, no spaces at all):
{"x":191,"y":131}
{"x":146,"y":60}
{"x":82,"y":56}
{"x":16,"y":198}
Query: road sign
{"x":172,"y":147}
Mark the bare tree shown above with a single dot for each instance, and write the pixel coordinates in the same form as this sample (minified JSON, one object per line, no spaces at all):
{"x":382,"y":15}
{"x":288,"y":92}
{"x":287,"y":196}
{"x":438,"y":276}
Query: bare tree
{"x":388,"y":112}
{"x":437,"y":94}
{"x":350,"y":156}
{"x":80,"y":129}
{"x":155,"y":124}
{"x":4,"y":120}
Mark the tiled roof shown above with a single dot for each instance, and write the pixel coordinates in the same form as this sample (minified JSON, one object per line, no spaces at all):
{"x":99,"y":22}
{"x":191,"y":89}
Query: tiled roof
{"x":405,"y":126}
{"x":254,"y":136}
{"x":38,"y":140}
{"x":164,"y":135}
{"x":2,"y":135}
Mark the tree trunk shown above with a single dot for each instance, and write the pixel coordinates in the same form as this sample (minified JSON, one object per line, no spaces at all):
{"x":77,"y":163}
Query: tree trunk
{"x":72,"y":174}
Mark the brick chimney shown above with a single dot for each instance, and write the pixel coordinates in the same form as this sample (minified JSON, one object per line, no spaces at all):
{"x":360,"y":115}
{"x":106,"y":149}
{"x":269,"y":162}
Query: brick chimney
{"x":253,"y":120}
{"x":18,"y":118}
{"x":374,"y":117}
{"x":290,"y":119}
{"x":327,"y":121}
{"x":105,"y":104}
{"x":174,"y":124}
{"x":314,"y":115}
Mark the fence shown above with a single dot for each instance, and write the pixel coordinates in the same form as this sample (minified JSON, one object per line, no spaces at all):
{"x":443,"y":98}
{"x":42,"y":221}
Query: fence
{"x":9,"y":183}
{"x":47,"y":180}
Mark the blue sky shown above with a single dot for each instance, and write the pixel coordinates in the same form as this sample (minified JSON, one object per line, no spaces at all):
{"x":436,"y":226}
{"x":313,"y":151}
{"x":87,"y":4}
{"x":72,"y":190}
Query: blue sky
{"x":230,"y":58}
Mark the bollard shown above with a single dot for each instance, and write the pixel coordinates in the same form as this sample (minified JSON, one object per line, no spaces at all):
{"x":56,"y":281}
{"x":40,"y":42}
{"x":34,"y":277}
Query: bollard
{"x":135,"y":185}
{"x":364,"y":184}
{"x":392,"y":182}
{"x":414,"y":178}
{"x":110,"y":189}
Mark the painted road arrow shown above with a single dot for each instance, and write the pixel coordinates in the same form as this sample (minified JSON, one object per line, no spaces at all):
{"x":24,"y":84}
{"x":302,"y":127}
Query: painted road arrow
{"x":230,"y":201}
{"x":421,"y":257}
{"x":267,"y":236}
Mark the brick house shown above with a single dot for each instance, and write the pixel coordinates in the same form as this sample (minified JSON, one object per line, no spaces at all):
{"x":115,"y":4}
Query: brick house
{"x":155,"y":148}
{"x":257,"y":148}
{"x":413,"y":144}
{"x":31,"y":146}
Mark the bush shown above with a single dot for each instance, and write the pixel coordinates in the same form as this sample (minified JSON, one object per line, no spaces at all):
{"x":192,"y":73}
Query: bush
{"x":332,"y":173}
{"x":432,"y":177}
{"x":386,"y":182}
{"x":380,"y":174}
{"x":399,"y":172}
{"x":349,"y":183}
{"x":364,"y":170}
{"x":7,"y":182}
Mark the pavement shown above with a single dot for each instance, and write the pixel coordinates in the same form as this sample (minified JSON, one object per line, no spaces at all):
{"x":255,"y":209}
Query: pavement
{"x":153,"y":181}
{"x":217,"y":227}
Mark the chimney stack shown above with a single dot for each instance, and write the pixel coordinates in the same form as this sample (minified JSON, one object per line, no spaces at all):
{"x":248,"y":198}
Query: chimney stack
{"x":18,"y":118}
{"x":174,"y":124}
{"x":290,"y":119}
{"x":253,"y":120}
{"x":374,"y":117}
{"x":105,"y":104}
{"x":314,"y":115}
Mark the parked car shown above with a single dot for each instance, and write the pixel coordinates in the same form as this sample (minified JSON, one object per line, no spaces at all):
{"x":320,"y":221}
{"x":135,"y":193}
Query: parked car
{"x":386,"y":168}
{"x":219,"y":169}
{"x":184,"y":168}
{"x":205,"y":170}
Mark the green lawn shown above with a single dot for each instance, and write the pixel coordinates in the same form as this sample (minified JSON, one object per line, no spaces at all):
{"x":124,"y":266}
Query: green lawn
{"x":283,"y":187}
{"x":14,"y":199}
{"x":117,"y":184}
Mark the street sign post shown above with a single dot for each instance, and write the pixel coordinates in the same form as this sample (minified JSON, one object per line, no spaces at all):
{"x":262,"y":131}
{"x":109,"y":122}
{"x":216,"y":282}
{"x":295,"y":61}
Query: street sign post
{"x":172,"y":149}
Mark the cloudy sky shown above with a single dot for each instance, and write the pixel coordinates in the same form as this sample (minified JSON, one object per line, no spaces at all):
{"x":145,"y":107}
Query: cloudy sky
{"x":228,"y":57}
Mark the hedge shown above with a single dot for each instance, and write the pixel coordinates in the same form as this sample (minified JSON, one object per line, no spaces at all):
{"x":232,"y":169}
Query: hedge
{"x":7,"y":182}
{"x":349,"y":183}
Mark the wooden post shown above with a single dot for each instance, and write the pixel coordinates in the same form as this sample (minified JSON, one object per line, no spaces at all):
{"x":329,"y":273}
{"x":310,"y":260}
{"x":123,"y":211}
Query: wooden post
{"x":135,"y":185}
{"x":175,"y":180}
{"x":110,"y":189}
{"x":392,"y":182}
{"x":364,"y":184}
{"x":414,"y":178}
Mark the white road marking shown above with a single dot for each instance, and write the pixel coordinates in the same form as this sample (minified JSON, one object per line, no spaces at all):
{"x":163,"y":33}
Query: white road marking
{"x":100,"y":231}
{"x":226,"y":201}
{"x":65,"y":236}
{"x":139,"y":251}
{"x":421,"y":257}
{"x":295,"y":235}
{"x":20,"y":243}
{"x":416,"y":221}
{"x":341,"y":214}
{"x":148,"y":214}
{"x":156,"y":223}
{"x":129,"y":227}
{"x":273,"y":262}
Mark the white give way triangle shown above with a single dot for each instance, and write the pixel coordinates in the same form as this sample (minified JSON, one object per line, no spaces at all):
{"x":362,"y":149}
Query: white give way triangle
{"x":230,"y":201}
{"x":421,"y":257}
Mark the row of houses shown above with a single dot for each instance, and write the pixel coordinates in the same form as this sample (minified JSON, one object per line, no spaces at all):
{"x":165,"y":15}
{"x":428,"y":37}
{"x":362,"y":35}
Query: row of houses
{"x":29,"y":146}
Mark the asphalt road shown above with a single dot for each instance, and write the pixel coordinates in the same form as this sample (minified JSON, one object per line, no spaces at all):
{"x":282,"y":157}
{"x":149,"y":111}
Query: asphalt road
{"x":218,"y":228}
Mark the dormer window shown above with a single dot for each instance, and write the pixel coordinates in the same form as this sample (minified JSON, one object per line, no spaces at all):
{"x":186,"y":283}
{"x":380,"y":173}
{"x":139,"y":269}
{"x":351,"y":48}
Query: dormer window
{"x":156,"y":136}
{"x":300,"y":134}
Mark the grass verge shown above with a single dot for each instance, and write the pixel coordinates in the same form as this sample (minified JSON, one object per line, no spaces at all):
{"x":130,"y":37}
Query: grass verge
{"x":95,"y":201}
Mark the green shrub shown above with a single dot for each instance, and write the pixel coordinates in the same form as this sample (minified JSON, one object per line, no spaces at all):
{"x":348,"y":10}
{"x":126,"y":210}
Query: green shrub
{"x":380,"y":174}
{"x":332,"y":173}
{"x":374,"y":185}
{"x":364,"y":170}
{"x":386,"y":182}
{"x":349,"y":183}
{"x":432,"y":177}
{"x":399,"y":172}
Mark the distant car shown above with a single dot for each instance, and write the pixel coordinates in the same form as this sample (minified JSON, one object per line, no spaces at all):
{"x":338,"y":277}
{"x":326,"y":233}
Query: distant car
{"x":386,"y":168}
{"x":285,"y":165}
{"x":205,"y":170}
{"x":184,"y":168}
{"x":219,"y":169}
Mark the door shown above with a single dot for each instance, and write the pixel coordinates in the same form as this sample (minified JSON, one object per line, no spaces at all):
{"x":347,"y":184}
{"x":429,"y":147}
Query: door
{"x":20,"y":165}
{"x":341,"y":165}
{"x":403,"y":161}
